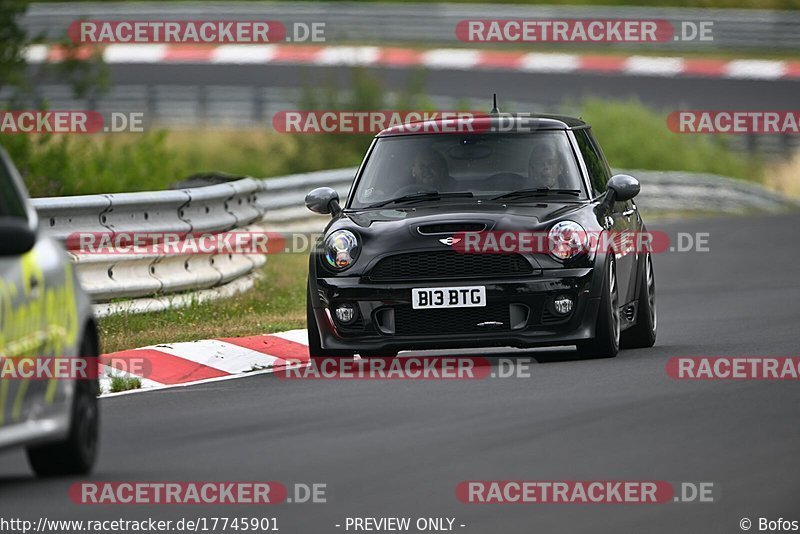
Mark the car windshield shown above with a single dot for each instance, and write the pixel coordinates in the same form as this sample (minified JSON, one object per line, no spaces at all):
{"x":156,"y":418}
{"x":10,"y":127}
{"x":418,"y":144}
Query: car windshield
{"x":415,"y":168}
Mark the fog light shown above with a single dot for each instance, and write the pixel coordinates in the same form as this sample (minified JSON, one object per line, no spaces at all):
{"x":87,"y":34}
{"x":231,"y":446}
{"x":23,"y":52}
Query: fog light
{"x":563,"y":304}
{"x":346,"y":313}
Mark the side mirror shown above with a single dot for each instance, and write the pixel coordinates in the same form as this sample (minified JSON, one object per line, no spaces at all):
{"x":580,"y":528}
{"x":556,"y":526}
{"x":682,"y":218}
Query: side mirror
{"x":323,"y":200}
{"x":624,"y":187}
{"x":16,"y":236}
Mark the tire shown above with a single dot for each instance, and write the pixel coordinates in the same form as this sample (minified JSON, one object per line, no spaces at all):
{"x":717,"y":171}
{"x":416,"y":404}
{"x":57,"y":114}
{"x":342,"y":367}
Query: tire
{"x":643,"y":334}
{"x":315,"y":349}
{"x":76,"y":454}
{"x":606,"y":339}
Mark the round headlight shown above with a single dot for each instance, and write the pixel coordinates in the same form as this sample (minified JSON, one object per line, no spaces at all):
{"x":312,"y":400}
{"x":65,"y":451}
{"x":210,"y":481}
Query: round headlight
{"x":567,"y":239}
{"x":341,"y":249}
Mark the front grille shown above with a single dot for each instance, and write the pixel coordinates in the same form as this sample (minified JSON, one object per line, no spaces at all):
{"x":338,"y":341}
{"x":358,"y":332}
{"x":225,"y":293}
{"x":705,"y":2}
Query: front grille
{"x":449,"y":264}
{"x":409,"y":322}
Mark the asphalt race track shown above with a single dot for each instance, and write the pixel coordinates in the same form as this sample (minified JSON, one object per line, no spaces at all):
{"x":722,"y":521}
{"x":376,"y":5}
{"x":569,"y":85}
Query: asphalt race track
{"x":548,"y":89}
{"x":399,"y":448}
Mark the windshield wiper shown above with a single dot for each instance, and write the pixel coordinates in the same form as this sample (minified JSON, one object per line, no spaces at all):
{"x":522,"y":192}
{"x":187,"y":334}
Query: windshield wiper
{"x":537,"y":192}
{"x":418,"y":197}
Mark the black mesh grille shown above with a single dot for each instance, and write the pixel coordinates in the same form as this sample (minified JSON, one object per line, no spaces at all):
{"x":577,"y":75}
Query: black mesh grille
{"x":411,"y":322}
{"x":449,"y":264}
{"x":549,"y":317}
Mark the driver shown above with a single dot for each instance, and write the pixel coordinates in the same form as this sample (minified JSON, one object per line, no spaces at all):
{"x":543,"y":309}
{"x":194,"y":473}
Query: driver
{"x":545,"y":166}
{"x":429,"y":170}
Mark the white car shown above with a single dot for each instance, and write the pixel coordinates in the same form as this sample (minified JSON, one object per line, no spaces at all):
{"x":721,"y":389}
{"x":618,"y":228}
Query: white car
{"x":43,"y":313}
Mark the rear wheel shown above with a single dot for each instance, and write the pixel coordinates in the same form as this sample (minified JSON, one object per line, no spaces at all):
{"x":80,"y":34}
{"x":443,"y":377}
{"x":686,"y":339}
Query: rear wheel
{"x":643,"y":333}
{"x":607,"y":331}
{"x":315,"y":349}
{"x":77,"y":453}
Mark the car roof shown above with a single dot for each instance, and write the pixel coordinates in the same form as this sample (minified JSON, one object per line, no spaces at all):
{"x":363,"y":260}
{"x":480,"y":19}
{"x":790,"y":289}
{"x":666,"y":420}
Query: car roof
{"x":500,"y":123}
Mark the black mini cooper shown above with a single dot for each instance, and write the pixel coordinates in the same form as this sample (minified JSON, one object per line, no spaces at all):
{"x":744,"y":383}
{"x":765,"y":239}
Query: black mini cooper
{"x":439,"y":244}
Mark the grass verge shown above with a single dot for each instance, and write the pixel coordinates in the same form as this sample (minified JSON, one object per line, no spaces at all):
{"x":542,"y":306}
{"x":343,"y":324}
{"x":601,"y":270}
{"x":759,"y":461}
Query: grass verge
{"x":123,"y":383}
{"x":277,"y":302}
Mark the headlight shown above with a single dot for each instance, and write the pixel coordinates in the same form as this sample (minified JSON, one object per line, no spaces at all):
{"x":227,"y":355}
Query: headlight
{"x":341,"y":249}
{"x":567,"y":239}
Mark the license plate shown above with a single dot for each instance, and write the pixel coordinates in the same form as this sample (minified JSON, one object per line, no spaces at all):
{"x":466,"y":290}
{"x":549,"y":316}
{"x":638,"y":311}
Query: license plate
{"x":448,"y":297}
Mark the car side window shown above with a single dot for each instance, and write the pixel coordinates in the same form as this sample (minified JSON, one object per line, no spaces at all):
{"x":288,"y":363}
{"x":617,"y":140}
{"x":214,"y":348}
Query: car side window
{"x":599,"y":173}
{"x":11,"y":203}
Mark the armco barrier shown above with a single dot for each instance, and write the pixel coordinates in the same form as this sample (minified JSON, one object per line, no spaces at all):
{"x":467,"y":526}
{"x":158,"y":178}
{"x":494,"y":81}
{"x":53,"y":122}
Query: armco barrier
{"x":62,"y":216}
{"x":156,"y":282}
{"x":148,"y":277}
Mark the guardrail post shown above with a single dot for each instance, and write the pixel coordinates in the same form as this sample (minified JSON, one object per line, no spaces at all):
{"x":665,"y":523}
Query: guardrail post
{"x":258,"y":104}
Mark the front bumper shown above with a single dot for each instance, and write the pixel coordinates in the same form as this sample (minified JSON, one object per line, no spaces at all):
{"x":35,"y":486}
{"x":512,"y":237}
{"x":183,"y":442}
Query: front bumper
{"x":522,"y":307}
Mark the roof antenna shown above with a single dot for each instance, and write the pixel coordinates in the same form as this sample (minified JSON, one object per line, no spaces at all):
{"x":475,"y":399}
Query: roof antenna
{"x":494,"y":111}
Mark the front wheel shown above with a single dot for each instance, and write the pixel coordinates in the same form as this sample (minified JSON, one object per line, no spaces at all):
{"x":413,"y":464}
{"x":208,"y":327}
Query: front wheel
{"x":607,"y":331}
{"x":76,"y":454}
{"x":643,"y":334}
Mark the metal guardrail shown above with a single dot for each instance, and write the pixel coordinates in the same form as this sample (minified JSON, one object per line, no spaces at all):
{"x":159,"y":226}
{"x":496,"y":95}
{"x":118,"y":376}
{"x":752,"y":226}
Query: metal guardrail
{"x":107,"y":277}
{"x":428,"y":22}
{"x":157,"y":282}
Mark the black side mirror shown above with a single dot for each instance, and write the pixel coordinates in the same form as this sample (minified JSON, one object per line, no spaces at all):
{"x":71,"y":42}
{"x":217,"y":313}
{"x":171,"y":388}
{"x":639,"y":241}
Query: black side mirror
{"x":16,"y":236}
{"x":323,"y":200}
{"x":624,"y":187}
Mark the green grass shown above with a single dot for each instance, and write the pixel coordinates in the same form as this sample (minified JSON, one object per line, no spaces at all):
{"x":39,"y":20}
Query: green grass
{"x":276,"y":303}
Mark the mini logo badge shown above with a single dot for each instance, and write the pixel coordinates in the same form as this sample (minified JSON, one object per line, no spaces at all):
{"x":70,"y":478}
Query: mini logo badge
{"x":450,"y":241}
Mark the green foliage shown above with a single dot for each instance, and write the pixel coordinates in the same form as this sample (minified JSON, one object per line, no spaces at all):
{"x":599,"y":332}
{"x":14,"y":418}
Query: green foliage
{"x":123,"y":383}
{"x":329,"y":151}
{"x":13,"y":41}
{"x":636,"y":137}
{"x":632,"y":135}
{"x":57,"y":165}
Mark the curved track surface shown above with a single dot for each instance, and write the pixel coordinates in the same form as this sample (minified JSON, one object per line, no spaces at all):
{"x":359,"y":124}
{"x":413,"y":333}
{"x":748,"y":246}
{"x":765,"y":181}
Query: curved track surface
{"x":399,"y":448}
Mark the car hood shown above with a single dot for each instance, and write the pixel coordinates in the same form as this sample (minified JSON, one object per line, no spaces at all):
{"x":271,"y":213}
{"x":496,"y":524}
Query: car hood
{"x":496,"y":216}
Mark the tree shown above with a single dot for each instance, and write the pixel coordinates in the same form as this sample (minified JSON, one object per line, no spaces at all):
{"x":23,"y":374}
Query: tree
{"x":13,"y":42}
